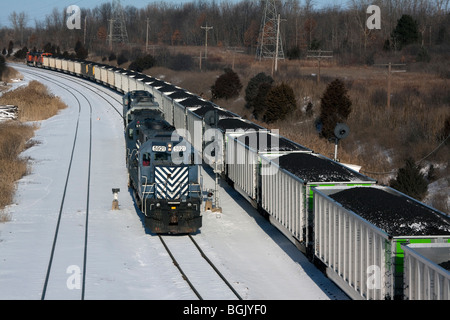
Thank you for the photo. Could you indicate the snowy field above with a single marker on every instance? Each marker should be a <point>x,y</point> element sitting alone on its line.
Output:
<point>123,260</point>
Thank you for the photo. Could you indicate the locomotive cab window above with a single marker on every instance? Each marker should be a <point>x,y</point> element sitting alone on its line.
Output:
<point>146,159</point>
<point>161,156</point>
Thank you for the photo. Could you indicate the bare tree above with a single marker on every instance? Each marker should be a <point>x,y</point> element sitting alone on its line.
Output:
<point>19,22</point>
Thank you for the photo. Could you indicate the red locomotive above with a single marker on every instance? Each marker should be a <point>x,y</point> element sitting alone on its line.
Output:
<point>36,58</point>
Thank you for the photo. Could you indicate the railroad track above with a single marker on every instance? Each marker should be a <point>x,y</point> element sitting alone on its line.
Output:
<point>203,277</point>
<point>73,210</point>
<point>83,82</point>
<point>205,280</point>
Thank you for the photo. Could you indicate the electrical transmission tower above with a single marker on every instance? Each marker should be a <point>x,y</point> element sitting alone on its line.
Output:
<point>269,40</point>
<point>117,29</point>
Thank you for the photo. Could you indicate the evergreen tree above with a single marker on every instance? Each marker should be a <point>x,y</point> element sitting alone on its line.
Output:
<point>259,102</point>
<point>21,54</point>
<point>140,64</point>
<point>293,53</point>
<point>80,51</point>
<point>406,32</point>
<point>227,85</point>
<point>280,102</point>
<point>252,89</point>
<point>335,107</point>
<point>10,48</point>
<point>410,181</point>
<point>2,66</point>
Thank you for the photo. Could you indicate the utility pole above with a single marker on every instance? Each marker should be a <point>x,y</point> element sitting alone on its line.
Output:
<point>84,39</point>
<point>146,38</point>
<point>234,50</point>
<point>277,45</point>
<point>389,75</point>
<point>206,39</point>
<point>318,54</point>
<point>270,45</point>
<point>111,21</point>
<point>117,27</point>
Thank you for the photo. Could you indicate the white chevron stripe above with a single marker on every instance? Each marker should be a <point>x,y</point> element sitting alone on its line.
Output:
<point>171,182</point>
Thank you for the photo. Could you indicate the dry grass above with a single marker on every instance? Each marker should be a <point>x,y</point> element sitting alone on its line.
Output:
<point>10,73</point>
<point>13,140</point>
<point>380,138</point>
<point>35,103</point>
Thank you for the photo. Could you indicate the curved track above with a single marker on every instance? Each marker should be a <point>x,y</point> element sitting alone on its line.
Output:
<point>68,236</point>
<point>204,279</point>
<point>123,261</point>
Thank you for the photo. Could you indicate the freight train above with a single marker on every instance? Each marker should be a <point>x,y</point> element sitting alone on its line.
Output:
<point>164,179</point>
<point>363,235</point>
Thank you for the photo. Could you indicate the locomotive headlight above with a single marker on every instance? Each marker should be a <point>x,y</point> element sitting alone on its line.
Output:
<point>189,204</point>
<point>158,204</point>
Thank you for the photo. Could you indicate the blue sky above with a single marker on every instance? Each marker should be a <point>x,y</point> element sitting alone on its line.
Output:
<point>39,9</point>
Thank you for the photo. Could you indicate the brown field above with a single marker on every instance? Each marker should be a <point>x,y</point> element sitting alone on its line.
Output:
<point>381,138</point>
<point>35,103</point>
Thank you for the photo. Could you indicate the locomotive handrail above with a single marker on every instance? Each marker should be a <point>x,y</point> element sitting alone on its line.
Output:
<point>198,187</point>
<point>147,185</point>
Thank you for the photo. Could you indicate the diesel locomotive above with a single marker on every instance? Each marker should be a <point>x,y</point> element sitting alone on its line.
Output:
<point>162,174</point>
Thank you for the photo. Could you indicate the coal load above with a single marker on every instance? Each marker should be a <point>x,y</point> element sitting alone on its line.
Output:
<point>265,142</point>
<point>236,124</point>
<point>397,215</point>
<point>180,94</point>
<point>194,101</point>
<point>201,111</point>
<point>445,265</point>
<point>311,168</point>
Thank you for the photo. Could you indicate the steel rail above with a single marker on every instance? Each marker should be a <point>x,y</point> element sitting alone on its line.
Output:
<point>55,239</point>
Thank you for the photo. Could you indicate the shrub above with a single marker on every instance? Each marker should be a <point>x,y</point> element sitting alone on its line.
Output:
<point>335,107</point>
<point>252,89</point>
<point>22,53</point>
<point>410,181</point>
<point>181,62</point>
<point>280,101</point>
<point>122,58</point>
<point>112,57</point>
<point>227,86</point>
<point>259,102</point>
<point>423,55</point>
<point>140,64</point>
<point>293,53</point>
<point>2,66</point>
<point>406,32</point>
<point>81,51</point>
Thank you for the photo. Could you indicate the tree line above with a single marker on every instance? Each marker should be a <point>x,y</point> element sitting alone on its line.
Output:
<point>237,24</point>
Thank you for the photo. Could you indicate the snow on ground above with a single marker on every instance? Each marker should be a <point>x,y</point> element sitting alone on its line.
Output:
<point>124,261</point>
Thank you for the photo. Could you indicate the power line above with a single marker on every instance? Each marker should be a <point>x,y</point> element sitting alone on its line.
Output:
<point>389,75</point>
<point>318,54</point>
<point>270,44</point>
<point>117,27</point>
<point>206,39</point>
<point>417,162</point>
